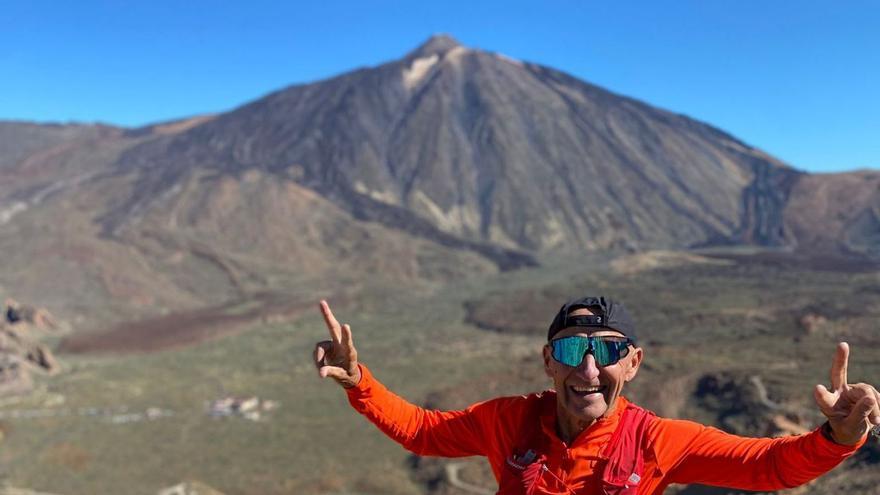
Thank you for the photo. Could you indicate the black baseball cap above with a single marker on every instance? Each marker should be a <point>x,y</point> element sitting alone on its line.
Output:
<point>608,313</point>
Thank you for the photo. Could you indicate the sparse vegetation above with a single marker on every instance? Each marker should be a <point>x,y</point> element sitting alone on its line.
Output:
<point>733,318</point>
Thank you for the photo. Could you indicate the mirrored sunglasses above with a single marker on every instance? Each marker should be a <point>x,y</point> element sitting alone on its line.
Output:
<point>571,351</point>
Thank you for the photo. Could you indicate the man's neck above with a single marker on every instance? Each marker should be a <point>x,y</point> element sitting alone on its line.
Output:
<point>567,427</point>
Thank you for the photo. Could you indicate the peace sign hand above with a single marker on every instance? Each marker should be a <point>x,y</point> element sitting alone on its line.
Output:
<point>337,357</point>
<point>851,409</point>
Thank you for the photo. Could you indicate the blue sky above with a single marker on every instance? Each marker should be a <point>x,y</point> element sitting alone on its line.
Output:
<point>797,79</point>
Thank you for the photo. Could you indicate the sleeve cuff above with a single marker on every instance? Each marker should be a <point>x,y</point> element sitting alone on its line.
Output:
<point>828,446</point>
<point>364,386</point>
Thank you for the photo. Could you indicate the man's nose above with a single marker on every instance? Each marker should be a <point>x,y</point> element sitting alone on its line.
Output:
<point>588,367</point>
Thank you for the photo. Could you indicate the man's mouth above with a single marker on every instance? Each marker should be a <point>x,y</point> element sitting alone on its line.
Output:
<point>583,391</point>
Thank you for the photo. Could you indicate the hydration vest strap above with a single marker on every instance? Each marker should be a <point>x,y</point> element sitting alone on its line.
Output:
<point>626,452</point>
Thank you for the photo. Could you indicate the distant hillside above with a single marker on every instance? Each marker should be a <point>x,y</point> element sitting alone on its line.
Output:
<point>448,162</point>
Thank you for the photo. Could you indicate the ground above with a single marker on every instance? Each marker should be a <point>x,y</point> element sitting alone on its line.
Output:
<point>137,422</point>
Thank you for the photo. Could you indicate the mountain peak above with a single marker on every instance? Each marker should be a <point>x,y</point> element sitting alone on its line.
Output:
<point>438,44</point>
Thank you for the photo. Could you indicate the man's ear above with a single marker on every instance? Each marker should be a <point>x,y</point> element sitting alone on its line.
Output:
<point>635,360</point>
<point>547,357</point>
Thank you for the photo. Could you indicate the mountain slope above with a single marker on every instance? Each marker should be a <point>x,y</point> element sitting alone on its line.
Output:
<point>489,150</point>
<point>448,162</point>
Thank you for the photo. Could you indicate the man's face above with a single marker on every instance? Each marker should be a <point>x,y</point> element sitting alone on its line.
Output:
<point>585,393</point>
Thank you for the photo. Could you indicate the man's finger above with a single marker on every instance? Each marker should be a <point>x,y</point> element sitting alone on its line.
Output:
<point>838,368</point>
<point>863,409</point>
<point>346,337</point>
<point>321,350</point>
<point>319,355</point>
<point>350,351</point>
<point>330,320</point>
<point>875,417</point>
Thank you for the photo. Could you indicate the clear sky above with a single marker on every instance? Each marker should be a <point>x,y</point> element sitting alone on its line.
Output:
<point>799,79</point>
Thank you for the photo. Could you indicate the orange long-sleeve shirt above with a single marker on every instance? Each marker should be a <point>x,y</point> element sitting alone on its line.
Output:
<point>679,451</point>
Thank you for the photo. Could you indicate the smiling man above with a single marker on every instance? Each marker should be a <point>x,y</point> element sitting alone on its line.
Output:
<point>584,438</point>
<point>590,354</point>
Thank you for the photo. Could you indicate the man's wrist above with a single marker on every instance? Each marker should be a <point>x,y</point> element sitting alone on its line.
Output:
<point>828,433</point>
<point>356,378</point>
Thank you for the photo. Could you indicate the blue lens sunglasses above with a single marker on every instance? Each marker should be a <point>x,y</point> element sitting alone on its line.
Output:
<point>571,351</point>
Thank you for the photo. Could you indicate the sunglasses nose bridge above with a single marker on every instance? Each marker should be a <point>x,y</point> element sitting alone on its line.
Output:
<point>589,365</point>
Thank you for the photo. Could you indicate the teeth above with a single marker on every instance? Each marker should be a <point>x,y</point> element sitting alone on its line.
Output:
<point>587,390</point>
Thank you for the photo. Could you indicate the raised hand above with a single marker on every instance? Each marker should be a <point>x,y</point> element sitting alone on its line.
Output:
<point>337,357</point>
<point>851,409</point>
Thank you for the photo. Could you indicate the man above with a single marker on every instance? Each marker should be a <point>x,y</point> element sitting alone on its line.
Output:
<point>583,437</point>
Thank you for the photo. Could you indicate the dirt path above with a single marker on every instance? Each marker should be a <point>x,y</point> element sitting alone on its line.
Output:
<point>452,470</point>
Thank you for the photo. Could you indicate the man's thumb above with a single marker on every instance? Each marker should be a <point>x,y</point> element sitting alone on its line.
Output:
<point>824,398</point>
<point>333,372</point>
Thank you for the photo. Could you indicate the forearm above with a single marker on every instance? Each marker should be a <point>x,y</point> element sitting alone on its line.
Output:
<point>717,458</point>
<point>422,431</point>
